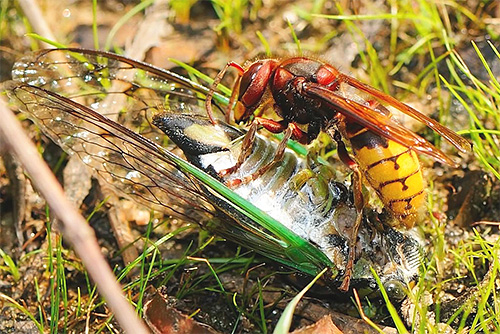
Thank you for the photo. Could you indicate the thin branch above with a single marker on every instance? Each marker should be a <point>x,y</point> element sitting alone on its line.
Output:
<point>75,228</point>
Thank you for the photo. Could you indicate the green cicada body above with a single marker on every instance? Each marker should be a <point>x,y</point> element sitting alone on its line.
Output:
<point>317,208</point>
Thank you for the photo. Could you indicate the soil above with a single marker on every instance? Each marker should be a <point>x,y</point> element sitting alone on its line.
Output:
<point>465,205</point>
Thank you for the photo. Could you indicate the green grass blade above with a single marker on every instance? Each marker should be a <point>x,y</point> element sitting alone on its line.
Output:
<point>10,265</point>
<point>283,325</point>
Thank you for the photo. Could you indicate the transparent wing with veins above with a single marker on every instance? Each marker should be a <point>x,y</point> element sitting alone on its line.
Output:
<point>66,91</point>
<point>127,91</point>
<point>130,163</point>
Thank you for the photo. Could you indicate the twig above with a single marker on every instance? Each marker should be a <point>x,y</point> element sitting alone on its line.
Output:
<point>37,21</point>
<point>75,228</point>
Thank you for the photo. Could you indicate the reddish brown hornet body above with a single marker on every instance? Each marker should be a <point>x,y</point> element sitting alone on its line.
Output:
<point>308,92</point>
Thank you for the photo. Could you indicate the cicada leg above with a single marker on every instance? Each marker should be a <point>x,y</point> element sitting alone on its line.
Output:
<point>357,188</point>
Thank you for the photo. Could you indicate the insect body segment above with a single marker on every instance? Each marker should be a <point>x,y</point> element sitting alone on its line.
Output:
<point>393,170</point>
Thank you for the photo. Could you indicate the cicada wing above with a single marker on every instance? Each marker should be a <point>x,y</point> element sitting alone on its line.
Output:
<point>133,165</point>
<point>75,84</point>
<point>126,91</point>
<point>72,71</point>
<point>142,170</point>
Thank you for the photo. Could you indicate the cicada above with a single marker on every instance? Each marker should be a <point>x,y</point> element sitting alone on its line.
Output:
<point>121,116</point>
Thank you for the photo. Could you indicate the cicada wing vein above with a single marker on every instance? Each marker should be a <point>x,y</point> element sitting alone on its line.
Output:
<point>99,75</point>
<point>130,163</point>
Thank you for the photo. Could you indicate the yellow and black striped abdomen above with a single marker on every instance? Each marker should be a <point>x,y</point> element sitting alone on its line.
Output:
<point>393,171</point>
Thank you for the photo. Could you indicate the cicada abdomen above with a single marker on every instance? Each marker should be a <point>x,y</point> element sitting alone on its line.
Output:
<point>302,196</point>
